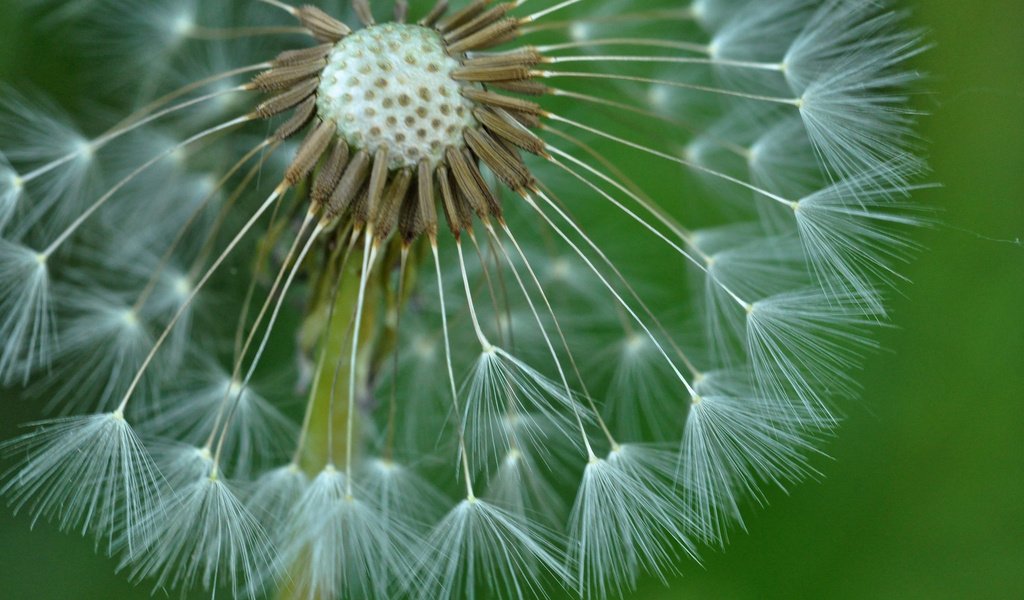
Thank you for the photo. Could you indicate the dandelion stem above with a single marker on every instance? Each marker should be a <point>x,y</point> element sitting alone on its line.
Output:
<point>325,344</point>
<point>340,360</point>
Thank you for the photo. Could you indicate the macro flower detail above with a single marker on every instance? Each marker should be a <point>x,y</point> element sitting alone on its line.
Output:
<point>355,306</point>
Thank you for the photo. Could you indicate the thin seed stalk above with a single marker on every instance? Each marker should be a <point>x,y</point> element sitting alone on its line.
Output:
<point>394,304</point>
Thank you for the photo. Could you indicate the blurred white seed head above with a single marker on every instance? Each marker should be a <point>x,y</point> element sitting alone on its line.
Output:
<point>26,326</point>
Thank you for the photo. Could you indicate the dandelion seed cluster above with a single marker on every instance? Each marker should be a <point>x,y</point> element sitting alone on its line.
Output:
<point>353,305</point>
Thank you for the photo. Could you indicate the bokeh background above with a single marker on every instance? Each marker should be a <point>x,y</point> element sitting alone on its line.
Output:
<point>923,496</point>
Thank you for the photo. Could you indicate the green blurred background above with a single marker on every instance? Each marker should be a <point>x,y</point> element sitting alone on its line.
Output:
<point>924,497</point>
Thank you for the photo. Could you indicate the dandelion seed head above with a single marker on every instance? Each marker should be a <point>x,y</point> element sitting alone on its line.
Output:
<point>635,344</point>
<point>391,85</point>
<point>83,148</point>
<point>14,180</point>
<point>182,25</point>
<point>130,318</point>
<point>27,324</point>
<point>12,187</point>
<point>580,31</point>
<point>182,286</point>
<point>325,261</point>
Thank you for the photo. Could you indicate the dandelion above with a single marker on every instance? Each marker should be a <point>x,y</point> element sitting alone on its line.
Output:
<point>372,289</point>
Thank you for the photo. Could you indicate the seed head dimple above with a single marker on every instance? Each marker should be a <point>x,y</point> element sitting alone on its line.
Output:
<point>391,85</point>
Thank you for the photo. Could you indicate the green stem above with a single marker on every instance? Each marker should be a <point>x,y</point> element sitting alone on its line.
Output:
<point>331,335</point>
